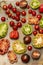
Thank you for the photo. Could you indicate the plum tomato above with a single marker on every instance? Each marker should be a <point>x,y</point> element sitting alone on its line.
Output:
<point>3,18</point>
<point>39,16</point>
<point>14,34</point>
<point>12,23</point>
<point>23,20</point>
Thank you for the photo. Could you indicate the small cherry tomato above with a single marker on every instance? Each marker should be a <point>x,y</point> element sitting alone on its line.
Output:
<point>14,10</point>
<point>13,17</point>
<point>29,48</point>
<point>3,18</point>
<point>23,13</point>
<point>36,27</point>
<point>28,6</point>
<point>18,13</point>
<point>41,31</point>
<point>17,3</point>
<point>39,16</point>
<point>33,13</point>
<point>17,18</point>
<point>19,24</point>
<point>10,6</point>
<point>7,11</point>
<point>9,15</point>
<point>30,11</point>
<point>5,7</point>
<point>15,27</point>
<point>14,35</point>
<point>11,23</point>
<point>23,20</point>
<point>34,32</point>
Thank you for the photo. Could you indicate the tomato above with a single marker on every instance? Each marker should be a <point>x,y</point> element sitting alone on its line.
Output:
<point>36,27</point>
<point>5,7</point>
<point>30,11</point>
<point>34,32</point>
<point>23,13</point>
<point>10,15</point>
<point>17,18</point>
<point>13,17</point>
<point>41,31</point>
<point>17,3</point>
<point>10,6</point>
<point>14,35</point>
<point>39,16</point>
<point>23,20</point>
<point>3,18</point>
<point>11,23</point>
<point>19,24</point>
<point>33,13</point>
<point>14,10</point>
<point>15,27</point>
<point>7,11</point>
<point>28,6</point>
<point>18,13</point>
<point>29,48</point>
<point>41,8</point>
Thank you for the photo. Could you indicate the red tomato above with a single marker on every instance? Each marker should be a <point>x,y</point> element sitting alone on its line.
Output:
<point>15,27</point>
<point>12,23</point>
<point>9,15</point>
<point>23,13</point>
<point>34,32</point>
<point>10,6</point>
<point>14,10</point>
<point>28,6</point>
<point>36,27</point>
<point>17,3</point>
<point>3,18</point>
<point>39,16</point>
<point>23,20</point>
<point>5,7</point>
<point>14,35</point>
<point>41,31</point>
<point>13,17</point>
<point>19,24</point>
<point>29,48</point>
<point>7,11</point>
<point>41,8</point>
<point>17,18</point>
<point>33,13</point>
<point>30,11</point>
<point>18,13</point>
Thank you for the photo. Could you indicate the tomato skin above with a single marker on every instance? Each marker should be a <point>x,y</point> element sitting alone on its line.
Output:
<point>3,18</point>
<point>39,16</point>
<point>41,8</point>
<point>14,35</point>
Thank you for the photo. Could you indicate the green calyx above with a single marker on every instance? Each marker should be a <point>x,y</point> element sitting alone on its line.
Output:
<point>27,29</point>
<point>41,23</point>
<point>19,47</point>
<point>3,30</point>
<point>34,4</point>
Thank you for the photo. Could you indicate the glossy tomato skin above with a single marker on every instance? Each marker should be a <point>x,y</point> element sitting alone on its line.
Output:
<point>11,23</point>
<point>15,27</point>
<point>41,31</point>
<point>10,6</point>
<point>36,27</point>
<point>41,8</point>
<point>33,13</point>
<point>34,33</point>
<point>30,11</point>
<point>29,48</point>
<point>39,16</point>
<point>25,58</point>
<point>14,10</point>
<point>14,34</point>
<point>3,18</point>
<point>23,20</point>
<point>17,3</point>
<point>5,7</point>
<point>19,24</point>
<point>23,13</point>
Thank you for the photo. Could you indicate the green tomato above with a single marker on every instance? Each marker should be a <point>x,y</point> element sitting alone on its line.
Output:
<point>3,30</point>
<point>34,4</point>
<point>19,47</point>
<point>27,29</point>
<point>41,23</point>
<point>38,41</point>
